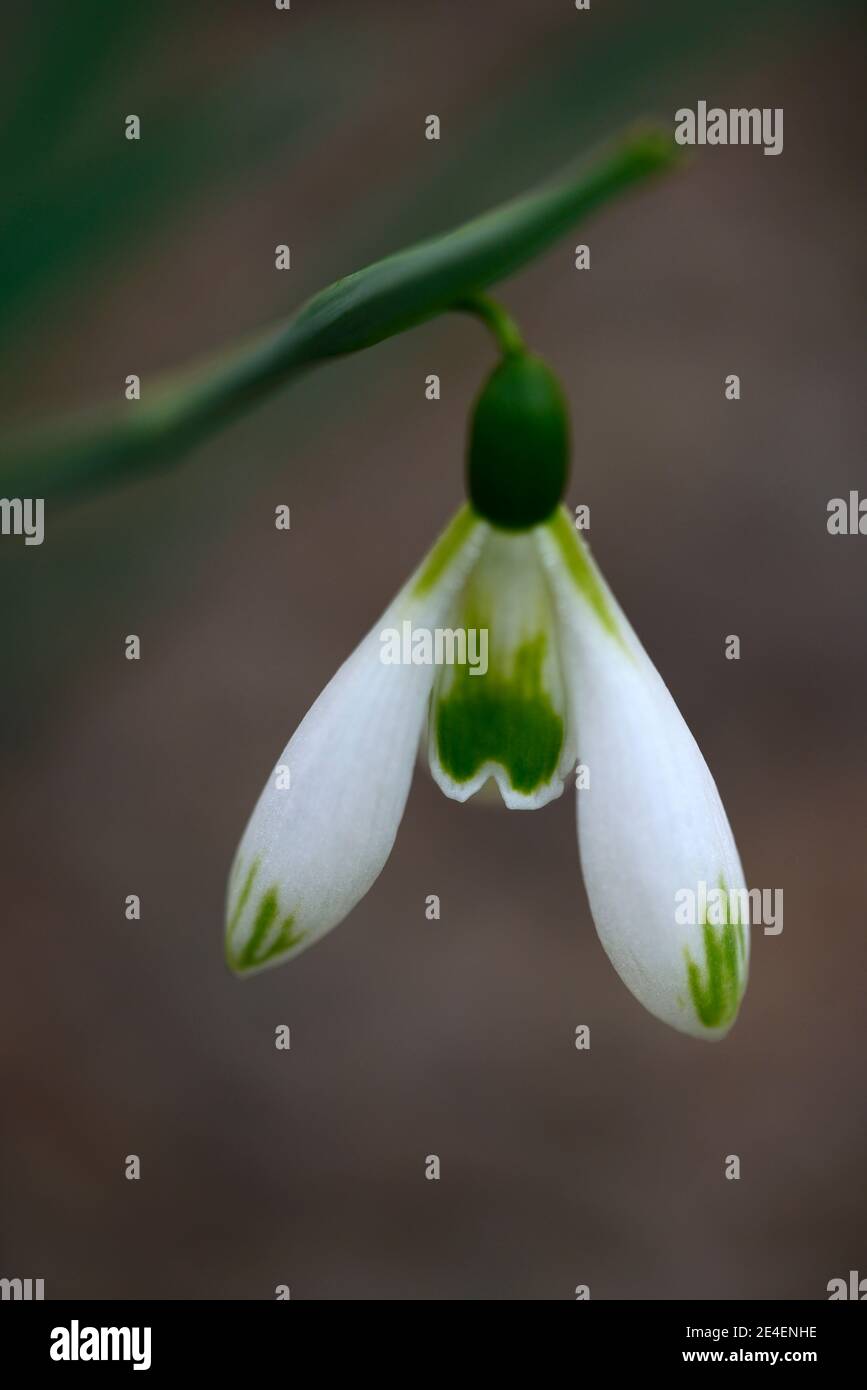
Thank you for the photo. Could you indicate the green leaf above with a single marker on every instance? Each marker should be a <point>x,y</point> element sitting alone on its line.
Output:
<point>127,439</point>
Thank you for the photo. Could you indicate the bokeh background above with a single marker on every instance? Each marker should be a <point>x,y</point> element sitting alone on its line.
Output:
<point>410,1037</point>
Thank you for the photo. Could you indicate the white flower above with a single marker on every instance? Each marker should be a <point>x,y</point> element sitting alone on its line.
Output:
<point>566,676</point>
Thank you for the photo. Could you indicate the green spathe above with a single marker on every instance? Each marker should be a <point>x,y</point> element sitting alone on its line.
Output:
<point>518,459</point>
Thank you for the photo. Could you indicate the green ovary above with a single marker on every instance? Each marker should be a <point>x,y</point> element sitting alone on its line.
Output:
<point>503,719</point>
<point>717,992</point>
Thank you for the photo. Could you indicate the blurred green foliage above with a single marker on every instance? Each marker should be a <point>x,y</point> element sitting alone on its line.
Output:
<point>79,196</point>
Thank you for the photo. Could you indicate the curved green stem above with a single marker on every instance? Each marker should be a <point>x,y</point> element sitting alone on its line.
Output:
<point>127,439</point>
<point>502,325</point>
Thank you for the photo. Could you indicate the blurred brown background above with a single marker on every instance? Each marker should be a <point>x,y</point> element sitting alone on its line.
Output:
<point>410,1037</point>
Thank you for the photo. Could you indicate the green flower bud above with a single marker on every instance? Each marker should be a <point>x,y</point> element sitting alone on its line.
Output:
<point>518,457</point>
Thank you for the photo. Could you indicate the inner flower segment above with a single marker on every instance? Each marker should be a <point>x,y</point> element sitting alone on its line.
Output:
<point>509,721</point>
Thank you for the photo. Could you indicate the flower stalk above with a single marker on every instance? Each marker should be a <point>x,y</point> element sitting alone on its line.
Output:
<point>71,458</point>
<point>505,330</point>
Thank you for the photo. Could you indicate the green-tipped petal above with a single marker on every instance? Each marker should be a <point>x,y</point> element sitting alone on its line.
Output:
<point>507,722</point>
<point>656,847</point>
<point>326,820</point>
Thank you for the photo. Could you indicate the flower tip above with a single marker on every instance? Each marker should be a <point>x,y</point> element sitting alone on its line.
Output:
<point>694,1027</point>
<point>259,932</point>
<point>235,960</point>
<point>259,952</point>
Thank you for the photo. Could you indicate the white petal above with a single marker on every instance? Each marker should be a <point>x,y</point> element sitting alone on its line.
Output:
<point>505,718</point>
<point>312,850</point>
<point>651,826</point>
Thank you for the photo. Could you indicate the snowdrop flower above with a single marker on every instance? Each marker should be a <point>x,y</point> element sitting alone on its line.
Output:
<point>565,677</point>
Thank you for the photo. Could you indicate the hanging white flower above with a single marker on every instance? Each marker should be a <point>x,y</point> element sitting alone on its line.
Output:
<point>564,676</point>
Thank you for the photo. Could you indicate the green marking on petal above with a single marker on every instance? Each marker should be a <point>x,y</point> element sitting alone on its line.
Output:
<point>445,550</point>
<point>501,718</point>
<point>244,895</point>
<point>717,993</point>
<point>574,554</point>
<point>264,943</point>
